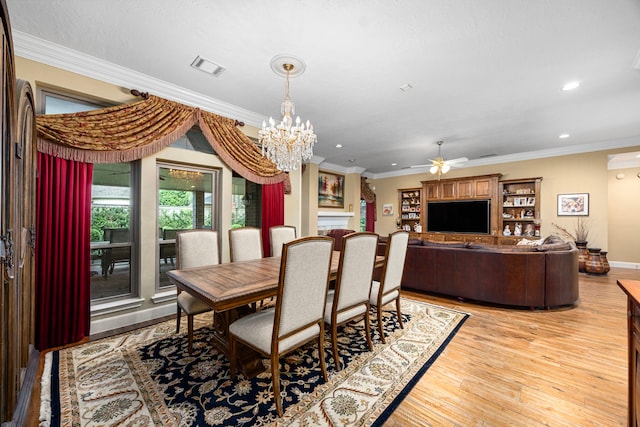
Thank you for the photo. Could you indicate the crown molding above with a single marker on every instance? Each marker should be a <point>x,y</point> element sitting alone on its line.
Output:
<point>55,55</point>
<point>529,155</point>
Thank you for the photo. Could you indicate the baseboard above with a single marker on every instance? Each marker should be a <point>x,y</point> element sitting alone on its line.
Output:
<point>126,320</point>
<point>628,265</point>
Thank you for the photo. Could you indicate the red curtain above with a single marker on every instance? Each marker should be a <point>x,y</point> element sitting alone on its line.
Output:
<point>371,217</point>
<point>272,211</point>
<point>63,285</point>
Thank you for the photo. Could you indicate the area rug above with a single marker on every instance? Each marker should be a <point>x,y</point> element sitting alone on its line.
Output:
<point>148,378</point>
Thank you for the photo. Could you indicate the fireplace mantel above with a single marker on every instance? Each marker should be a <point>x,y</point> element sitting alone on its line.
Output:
<point>328,220</point>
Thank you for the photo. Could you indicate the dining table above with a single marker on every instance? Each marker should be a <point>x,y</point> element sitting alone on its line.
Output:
<point>233,290</point>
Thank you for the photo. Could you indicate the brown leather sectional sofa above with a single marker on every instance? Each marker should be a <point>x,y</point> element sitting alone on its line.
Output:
<point>542,276</point>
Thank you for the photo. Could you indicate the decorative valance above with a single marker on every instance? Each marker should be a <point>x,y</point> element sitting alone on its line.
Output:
<point>366,192</point>
<point>128,132</point>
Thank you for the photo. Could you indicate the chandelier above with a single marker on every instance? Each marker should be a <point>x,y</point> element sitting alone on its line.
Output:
<point>287,144</point>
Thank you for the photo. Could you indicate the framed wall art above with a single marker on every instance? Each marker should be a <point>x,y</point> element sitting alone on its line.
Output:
<point>387,209</point>
<point>573,204</point>
<point>330,190</point>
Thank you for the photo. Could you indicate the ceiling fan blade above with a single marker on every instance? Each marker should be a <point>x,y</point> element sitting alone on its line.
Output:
<point>458,160</point>
<point>426,165</point>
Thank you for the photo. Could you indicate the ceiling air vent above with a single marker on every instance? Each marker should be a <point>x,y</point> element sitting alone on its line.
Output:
<point>207,66</point>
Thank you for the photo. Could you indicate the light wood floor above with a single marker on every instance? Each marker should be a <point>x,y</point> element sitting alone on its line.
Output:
<point>530,368</point>
<point>510,367</point>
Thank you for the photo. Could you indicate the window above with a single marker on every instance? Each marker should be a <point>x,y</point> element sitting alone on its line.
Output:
<point>363,215</point>
<point>187,199</point>
<point>113,254</point>
<point>246,203</point>
<point>112,234</point>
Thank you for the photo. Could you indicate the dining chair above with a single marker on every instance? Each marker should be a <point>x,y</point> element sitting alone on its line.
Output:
<point>245,243</point>
<point>388,288</point>
<point>349,299</point>
<point>194,248</point>
<point>297,317</point>
<point>117,254</point>
<point>279,235</point>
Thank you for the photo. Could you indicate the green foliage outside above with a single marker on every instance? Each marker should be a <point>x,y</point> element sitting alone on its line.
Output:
<point>107,217</point>
<point>175,198</point>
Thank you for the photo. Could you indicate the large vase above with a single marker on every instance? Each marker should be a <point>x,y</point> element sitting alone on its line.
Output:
<point>594,265</point>
<point>605,261</point>
<point>583,253</point>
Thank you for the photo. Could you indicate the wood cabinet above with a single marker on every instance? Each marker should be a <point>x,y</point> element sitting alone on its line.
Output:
<point>481,187</point>
<point>18,159</point>
<point>520,207</point>
<point>410,204</point>
<point>632,289</point>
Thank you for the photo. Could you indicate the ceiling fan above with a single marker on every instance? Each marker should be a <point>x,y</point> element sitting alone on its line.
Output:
<point>439,165</point>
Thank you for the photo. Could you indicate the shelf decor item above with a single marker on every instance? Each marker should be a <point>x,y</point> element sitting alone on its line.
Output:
<point>573,204</point>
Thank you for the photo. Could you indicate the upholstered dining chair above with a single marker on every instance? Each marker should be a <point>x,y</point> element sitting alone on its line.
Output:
<point>297,317</point>
<point>194,248</point>
<point>349,299</point>
<point>245,243</point>
<point>388,288</point>
<point>279,235</point>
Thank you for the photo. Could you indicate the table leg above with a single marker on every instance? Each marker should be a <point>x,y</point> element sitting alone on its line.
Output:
<point>250,361</point>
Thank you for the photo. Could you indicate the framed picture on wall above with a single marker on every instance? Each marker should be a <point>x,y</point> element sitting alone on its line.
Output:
<point>387,209</point>
<point>573,204</point>
<point>330,190</point>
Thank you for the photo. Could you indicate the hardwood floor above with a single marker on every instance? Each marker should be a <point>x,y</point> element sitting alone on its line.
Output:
<point>510,367</point>
<point>530,368</point>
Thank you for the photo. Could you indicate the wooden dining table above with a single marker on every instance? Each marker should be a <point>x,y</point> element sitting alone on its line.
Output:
<point>230,289</point>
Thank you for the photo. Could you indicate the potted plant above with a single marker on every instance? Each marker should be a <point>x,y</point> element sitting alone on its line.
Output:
<point>580,238</point>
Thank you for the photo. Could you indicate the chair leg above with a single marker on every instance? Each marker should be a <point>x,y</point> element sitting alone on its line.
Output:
<point>190,331</point>
<point>334,345</point>
<point>275,378</point>
<point>367,328</point>
<point>398,311</point>
<point>323,363</point>
<point>178,317</point>
<point>232,352</point>
<point>380,328</point>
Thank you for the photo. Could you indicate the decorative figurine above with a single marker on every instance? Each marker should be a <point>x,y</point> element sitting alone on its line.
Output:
<point>518,229</point>
<point>528,231</point>
<point>506,231</point>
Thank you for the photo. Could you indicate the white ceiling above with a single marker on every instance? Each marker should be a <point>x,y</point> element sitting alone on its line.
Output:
<point>486,74</point>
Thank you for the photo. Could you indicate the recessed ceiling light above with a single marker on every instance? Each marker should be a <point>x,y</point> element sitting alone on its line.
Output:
<point>571,85</point>
<point>207,66</point>
<point>405,87</point>
<point>394,164</point>
<point>338,145</point>
<point>352,160</point>
<point>564,135</point>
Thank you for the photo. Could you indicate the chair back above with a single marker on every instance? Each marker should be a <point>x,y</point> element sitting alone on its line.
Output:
<point>245,244</point>
<point>355,271</point>
<point>197,248</point>
<point>278,236</point>
<point>303,284</point>
<point>118,235</point>
<point>394,261</point>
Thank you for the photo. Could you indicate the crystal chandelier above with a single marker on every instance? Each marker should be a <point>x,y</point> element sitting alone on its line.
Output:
<point>287,144</point>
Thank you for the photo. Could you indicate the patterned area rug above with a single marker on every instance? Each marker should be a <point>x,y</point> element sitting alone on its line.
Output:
<point>148,378</point>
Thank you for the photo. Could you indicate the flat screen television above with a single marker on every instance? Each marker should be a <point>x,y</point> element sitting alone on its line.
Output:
<point>460,216</point>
